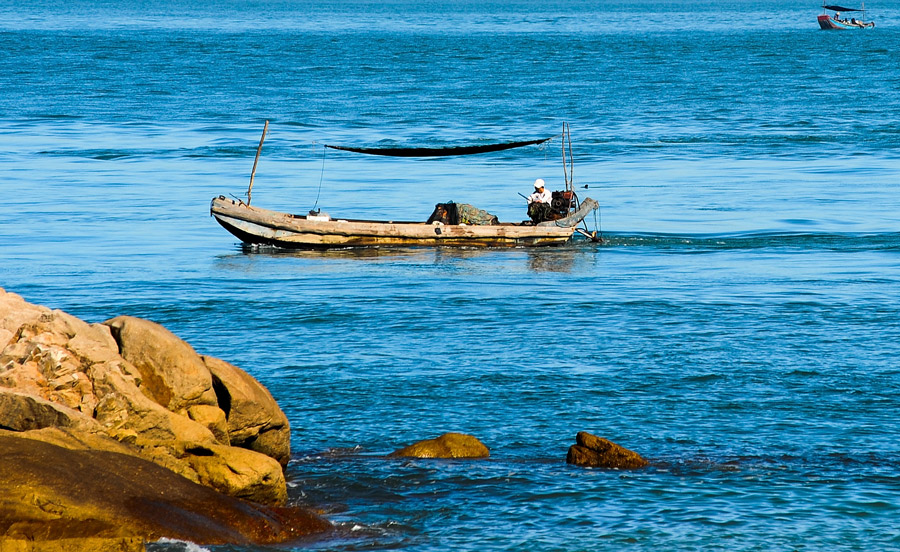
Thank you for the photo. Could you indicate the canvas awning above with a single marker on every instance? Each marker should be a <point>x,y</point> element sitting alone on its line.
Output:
<point>440,152</point>
<point>840,9</point>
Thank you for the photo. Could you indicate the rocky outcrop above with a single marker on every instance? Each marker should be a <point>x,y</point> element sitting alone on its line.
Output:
<point>72,496</point>
<point>172,374</point>
<point>130,387</point>
<point>448,445</point>
<point>254,420</point>
<point>596,452</point>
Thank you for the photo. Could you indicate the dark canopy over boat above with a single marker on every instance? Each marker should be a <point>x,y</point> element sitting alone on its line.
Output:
<point>841,9</point>
<point>440,152</point>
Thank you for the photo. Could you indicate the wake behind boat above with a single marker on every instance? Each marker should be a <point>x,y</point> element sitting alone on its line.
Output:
<point>836,22</point>
<point>451,224</point>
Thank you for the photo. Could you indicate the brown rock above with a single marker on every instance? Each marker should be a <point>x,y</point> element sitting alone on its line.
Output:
<point>24,412</point>
<point>73,439</point>
<point>57,371</point>
<point>53,495</point>
<point>597,452</point>
<point>172,373</point>
<point>15,312</point>
<point>212,418</point>
<point>448,445</point>
<point>73,545</point>
<point>255,420</point>
<point>239,472</point>
<point>123,407</point>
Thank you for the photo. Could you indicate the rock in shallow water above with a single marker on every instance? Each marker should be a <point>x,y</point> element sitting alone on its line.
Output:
<point>448,445</point>
<point>596,452</point>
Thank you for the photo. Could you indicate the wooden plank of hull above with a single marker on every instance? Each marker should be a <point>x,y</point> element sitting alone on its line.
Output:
<point>262,226</point>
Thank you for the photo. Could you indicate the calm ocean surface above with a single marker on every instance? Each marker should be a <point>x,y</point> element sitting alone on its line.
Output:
<point>741,328</point>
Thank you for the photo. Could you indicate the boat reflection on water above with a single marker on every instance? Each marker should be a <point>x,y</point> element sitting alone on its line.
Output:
<point>365,253</point>
<point>549,259</point>
<point>556,260</point>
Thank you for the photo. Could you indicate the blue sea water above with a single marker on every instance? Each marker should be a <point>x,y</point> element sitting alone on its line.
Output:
<point>739,328</point>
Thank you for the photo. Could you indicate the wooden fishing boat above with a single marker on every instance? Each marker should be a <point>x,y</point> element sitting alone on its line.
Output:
<point>253,225</point>
<point>834,22</point>
<point>316,230</point>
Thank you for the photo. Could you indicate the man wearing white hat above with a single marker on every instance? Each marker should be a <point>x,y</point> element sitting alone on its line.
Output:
<point>539,202</point>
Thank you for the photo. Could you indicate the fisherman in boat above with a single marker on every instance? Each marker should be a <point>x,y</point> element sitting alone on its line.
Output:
<point>539,202</point>
<point>837,16</point>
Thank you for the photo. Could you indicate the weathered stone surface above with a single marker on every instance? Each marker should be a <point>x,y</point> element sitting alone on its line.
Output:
<point>73,545</point>
<point>240,472</point>
<point>172,373</point>
<point>75,499</point>
<point>36,360</point>
<point>448,445</point>
<point>74,440</point>
<point>57,371</point>
<point>597,452</point>
<point>23,412</point>
<point>213,419</point>
<point>255,420</point>
<point>14,313</point>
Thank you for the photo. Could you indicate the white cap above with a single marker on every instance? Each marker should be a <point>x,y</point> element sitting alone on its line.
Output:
<point>539,183</point>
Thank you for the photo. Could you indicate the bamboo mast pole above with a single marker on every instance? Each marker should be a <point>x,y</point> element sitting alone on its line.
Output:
<point>255,161</point>
<point>571,160</point>
<point>563,144</point>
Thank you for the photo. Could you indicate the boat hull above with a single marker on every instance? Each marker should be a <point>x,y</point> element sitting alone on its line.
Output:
<point>827,23</point>
<point>253,225</point>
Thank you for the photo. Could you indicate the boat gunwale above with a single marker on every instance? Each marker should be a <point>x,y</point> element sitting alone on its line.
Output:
<point>282,221</point>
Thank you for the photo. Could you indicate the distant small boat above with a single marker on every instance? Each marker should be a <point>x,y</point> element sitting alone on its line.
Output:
<point>835,22</point>
<point>451,224</point>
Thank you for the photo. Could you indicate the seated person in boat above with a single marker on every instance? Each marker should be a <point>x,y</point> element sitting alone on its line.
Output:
<point>539,203</point>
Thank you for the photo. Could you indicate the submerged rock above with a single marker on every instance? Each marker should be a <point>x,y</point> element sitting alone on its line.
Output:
<point>130,387</point>
<point>597,452</point>
<point>448,445</point>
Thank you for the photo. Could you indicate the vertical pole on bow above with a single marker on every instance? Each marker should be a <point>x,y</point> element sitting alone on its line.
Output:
<point>571,179</point>
<point>563,144</point>
<point>255,161</point>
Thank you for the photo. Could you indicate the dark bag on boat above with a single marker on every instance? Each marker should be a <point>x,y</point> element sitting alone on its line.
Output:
<point>461,213</point>
<point>540,212</point>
